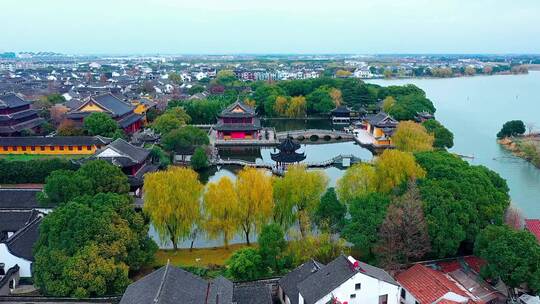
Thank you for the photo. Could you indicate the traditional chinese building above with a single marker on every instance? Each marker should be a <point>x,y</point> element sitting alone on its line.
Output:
<point>57,145</point>
<point>287,153</point>
<point>134,161</point>
<point>124,113</point>
<point>341,115</point>
<point>381,126</point>
<point>16,115</point>
<point>423,116</point>
<point>237,122</point>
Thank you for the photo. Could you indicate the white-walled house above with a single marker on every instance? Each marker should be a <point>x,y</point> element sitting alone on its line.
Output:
<point>18,248</point>
<point>344,280</point>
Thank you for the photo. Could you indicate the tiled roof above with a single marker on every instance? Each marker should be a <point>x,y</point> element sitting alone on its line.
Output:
<point>246,111</point>
<point>260,294</point>
<point>322,282</point>
<point>474,262</point>
<point>54,141</point>
<point>289,283</point>
<point>19,198</point>
<point>173,285</point>
<point>113,104</point>
<point>14,220</point>
<point>132,154</point>
<point>12,101</point>
<point>533,225</point>
<point>428,285</point>
<point>21,243</point>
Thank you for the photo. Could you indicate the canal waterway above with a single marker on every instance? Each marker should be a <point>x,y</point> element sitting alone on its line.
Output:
<point>474,109</point>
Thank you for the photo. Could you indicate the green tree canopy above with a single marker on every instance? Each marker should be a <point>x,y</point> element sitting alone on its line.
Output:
<point>367,214</point>
<point>179,140</point>
<point>444,139</point>
<point>320,101</point>
<point>410,100</point>
<point>459,200</point>
<point>330,214</point>
<point>272,246</point>
<point>62,186</point>
<point>511,128</point>
<point>199,160</point>
<point>104,177</point>
<point>100,124</point>
<point>245,265</point>
<point>172,119</point>
<point>96,176</point>
<point>512,255</point>
<point>99,235</point>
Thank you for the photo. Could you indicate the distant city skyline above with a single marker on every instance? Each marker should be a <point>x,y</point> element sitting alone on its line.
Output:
<point>271,27</point>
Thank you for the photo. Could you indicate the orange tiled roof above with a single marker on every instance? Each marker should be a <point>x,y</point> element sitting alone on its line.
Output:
<point>428,285</point>
<point>533,225</point>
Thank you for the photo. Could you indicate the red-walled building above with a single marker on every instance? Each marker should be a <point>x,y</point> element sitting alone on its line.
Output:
<point>134,161</point>
<point>238,121</point>
<point>107,103</point>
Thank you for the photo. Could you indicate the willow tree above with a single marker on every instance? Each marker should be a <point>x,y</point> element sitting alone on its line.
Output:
<point>412,137</point>
<point>221,210</point>
<point>357,181</point>
<point>297,196</point>
<point>395,167</point>
<point>297,107</point>
<point>172,201</point>
<point>254,190</point>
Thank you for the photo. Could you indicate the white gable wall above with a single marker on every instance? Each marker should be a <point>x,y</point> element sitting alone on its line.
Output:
<point>409,298</point>
<point>369,292</point>
<point>108,153</point>
<point>11,260</point>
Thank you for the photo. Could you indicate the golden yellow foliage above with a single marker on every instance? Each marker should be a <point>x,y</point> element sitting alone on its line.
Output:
<point>221,210</point>
<point>357,181</point>
<point>250,102</point>
<point>171,200</point>
<point>336,96</point>
<point>343,73</point>
<point>297,195</point>
<point>394,167</point>
<point>297,107</point>
<point>280,106</point>
<point>412,137</point>
<point>254,190</point>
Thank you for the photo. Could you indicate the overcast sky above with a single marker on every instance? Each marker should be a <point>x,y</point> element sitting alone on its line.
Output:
<point>270,26</point>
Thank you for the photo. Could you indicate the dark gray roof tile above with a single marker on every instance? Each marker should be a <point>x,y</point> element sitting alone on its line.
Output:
<point>19,198</point>
<point>21,243</point>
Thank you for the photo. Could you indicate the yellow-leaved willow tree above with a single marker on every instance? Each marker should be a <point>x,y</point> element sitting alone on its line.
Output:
<point>412,137</point>
<point>254,190</point>
<point>393,167</point>
<point>357,181</point>
<point>221,210</point>
<point>297,195</point>
<point>172,201</point>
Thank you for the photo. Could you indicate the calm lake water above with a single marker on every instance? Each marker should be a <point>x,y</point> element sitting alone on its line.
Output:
<point>474,109</point>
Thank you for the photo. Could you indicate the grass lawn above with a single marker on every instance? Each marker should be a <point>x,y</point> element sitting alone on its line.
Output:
<point>26,157</point>
<point>197,257</point>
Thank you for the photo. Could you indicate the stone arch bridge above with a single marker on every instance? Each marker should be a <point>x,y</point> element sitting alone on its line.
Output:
<point>315,135</point>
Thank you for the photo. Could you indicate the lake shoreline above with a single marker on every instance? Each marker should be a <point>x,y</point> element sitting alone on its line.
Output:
<point>523,147</point>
